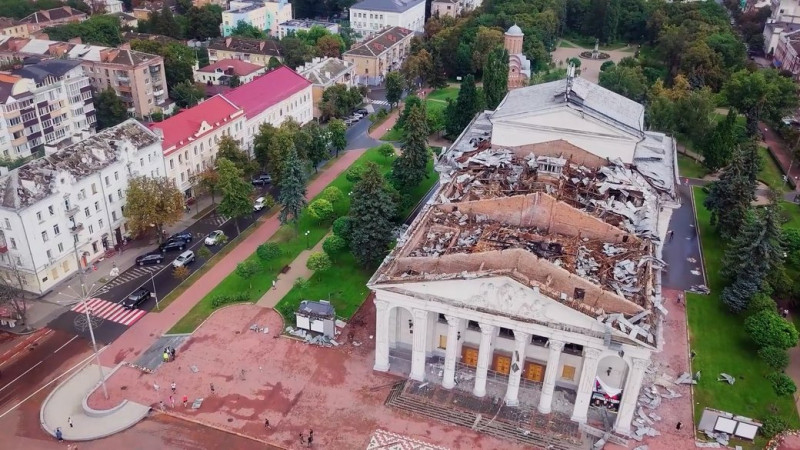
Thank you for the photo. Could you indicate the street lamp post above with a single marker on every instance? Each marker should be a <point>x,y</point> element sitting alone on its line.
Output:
<point>308,244</point>
<point>155,295</point>
<point>84,299</point>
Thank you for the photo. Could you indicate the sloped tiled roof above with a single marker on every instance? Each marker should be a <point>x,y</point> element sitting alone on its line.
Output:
<point>380,43</point>
<point>246,45</point>
<point>240,68</point>
<point>267,90</point>
<point>52,15</point>
<point>215,111</point>
<point>325,71</point>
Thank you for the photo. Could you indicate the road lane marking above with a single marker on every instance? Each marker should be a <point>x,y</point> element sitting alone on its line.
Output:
<point>49,383</point>
<point>23,374</point>
<point>59,348</point>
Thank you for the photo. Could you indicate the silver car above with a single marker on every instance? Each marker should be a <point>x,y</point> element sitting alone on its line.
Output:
<point>184,259</point>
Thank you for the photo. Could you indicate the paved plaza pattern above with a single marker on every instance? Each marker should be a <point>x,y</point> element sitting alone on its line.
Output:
<point>386,440</point>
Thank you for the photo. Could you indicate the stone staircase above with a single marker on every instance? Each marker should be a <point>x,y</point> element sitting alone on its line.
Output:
<point>400,399</point>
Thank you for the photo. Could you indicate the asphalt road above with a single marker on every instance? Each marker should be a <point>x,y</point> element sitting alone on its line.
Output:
<point>682,250</point>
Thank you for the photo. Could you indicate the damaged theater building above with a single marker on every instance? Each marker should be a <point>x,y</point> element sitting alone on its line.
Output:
<point>533,275</point>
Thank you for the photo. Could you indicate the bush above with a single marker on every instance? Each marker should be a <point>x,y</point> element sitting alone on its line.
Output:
<point>782,384</point>
<point>772,425</point>
<point>204,253</point>
<point>334,245</point>
<point>321,210</point>
<point>268,251</point>
<point>319,262</point>
<point>775,357</point>
<point>269,202</point>
<point>767,328</point>
<point>342,227</point>
<point>181,273</point>
<point>761,302</point>
<point>332,194</point>
<point>287,311</point>
<point>606,65</point>
<point>221,300</point>
<point>300,283</point>
<point>354,174</point>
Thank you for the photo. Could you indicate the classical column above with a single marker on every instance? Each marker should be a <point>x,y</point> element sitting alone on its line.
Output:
<point>551,371</point>
<point>633,384</point>
<point>484,356</point>
<point>451,353</point>
<point>521,340</point>
<point>591,356</point>
<point>382,311</point>
<point>420,337</point>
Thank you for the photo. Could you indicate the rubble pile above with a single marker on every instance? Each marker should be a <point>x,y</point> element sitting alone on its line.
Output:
<point>657,388</point>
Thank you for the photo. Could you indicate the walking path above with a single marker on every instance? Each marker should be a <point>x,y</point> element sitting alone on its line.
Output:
<point>286,281</point>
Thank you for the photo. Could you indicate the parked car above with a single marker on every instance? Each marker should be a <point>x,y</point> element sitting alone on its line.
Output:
<point>356,117</point>
<point>137,298</point>
<point>178,244</point>
<point>185,236</point>
<point>214,237</point>
<point>261,180</point>
<point>184,259</point>
<point>259,204</point>
<point>150,258</point>
<point>362,111</point>
<point>349,121</point>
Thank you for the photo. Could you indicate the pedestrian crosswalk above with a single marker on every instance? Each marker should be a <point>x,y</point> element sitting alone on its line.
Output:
<point>215,219</point>
<point>129,275</point>
<point>380,102</point>
<point>110,311</point>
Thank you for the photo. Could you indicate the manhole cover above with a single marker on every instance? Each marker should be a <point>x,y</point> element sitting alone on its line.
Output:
<point>230,419</point>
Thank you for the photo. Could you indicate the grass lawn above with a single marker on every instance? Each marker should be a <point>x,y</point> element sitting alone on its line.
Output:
<point>721,344</point>
<point>439,102</point>
<point>771,174</point>
<point>689,167</point>
<point>345,284</point>
<point>791,211</point>
<point>565,44</point>
<point>393,135</point>
<point>443,94</point>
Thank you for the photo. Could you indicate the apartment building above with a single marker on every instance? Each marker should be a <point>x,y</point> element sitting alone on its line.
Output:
<point>264,15</point>
<point>324,73</point>
<point>380,54</point>
<point>52,17</point>
<point>221,72</point>
<point>47,103</point>
<point>442,8</point>
<point>295,25</point>
<point>137,77</point>
<point>368,17</point>
<point>256,51</point>
<point>272,98</point>
<point>191,138</point>
<point>68,206</point>
<point>787,54</point>
<point>11,27</point>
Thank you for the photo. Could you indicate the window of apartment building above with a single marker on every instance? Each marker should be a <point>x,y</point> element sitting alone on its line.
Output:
<point>65,266</point>
<point>28,116</point>
<point>141,162</point>
<point>180,159</point>
<point>14,121</point>
<point>182,177</point>
<point>106,72</point>
<point>86,211</point>
<point>116,175</point>
<point>541,341</point>
<point>51,210</point>
<point>110,198</point>
<point>119,193</point>
<point>60,247</point>
<point>39,216</point>
<point>49,254</point>
<point>100,223</point>
<point>8,224</point>
<point>568,373</point>
<point>45,238</point>
<point>19,261</point>
<point>108,180</point>
<point>114,216</point>
<point>56,230</point>
<point>91,229</point>
<point>195,150</point>
<point>47,123</point>
<point>94,188</point>
<point>171,164</point>
<point>97,206</point>
<point>13,243</point>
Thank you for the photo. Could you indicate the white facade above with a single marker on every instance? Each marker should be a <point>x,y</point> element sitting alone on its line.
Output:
<point>299,107</point>
<point>73,199</point>
<point>366,21</point>
<point>784,11</point>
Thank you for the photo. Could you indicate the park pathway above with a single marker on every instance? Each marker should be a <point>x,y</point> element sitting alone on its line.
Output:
<point>285,282</point>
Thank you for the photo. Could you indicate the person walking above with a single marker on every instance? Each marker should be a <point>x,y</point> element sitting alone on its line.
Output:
<point>273,285</point>
<point>679,426</point>
<point>310,440</point>
<point>670,234</point>
<point>156,386</point>
<point>165,356</point>
<point>212,388</point>
<point>173,386</point>
<point>266,423</point>
<point>69,421</point>
<point>185,400</point>
<point>59,435</point>
<point>302,439</point>
<point>172,401</point>
<point>161,405</point>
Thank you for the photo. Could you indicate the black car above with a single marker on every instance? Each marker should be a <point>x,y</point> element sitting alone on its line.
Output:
<point>183,236</point>
<point>177,244</point>
<point>262,180</point>
<point>136,299</point>
<point>362,111</point>
<point>150,258</point>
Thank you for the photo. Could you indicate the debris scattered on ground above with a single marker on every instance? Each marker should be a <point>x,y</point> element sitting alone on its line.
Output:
<point>686,378</point>
<point>194,369</point>
<point>197,403</point>
<point>699,289</point>
<point>727,378</point>
<point>257,329</point>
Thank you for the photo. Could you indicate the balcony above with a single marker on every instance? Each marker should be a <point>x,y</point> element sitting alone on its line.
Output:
<point>155,69</point>
<point>158,93</point>
<point>124,88</point>
<point>123,79</point>
<point>77,228</point>
<point>3,247</point>
<point>72,209</point>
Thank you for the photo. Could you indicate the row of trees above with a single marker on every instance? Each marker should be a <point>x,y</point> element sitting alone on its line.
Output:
<point>17,9</point>
<point>193,23</point>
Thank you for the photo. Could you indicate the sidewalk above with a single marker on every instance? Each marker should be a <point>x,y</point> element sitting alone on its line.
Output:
<point>286,281</point>
<point>65,294</point>
<point>782,153</point>
<point>141,336</point>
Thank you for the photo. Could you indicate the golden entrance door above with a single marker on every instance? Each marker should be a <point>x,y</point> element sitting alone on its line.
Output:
<point>469,356</point>
<point>534,372</point>
<point>502,364</point>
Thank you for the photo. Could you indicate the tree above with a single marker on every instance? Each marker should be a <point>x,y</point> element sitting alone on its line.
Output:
<point>409,169</point>
<point>268,251</point>
<point>97,29</point>
<point>110,109</point>
<point>234,81</point>
<point>775,357</point>
<point>627,81</point>
<point>754,253</point>
<point>768,329</point>
<point>339,101</point>
<point>717,148</point>
<point>321,210</point>
<point>411,102</point>
<point>729,197</point>
<point>332,194</point>
<point>417,67</point>
<point>387,151</point>
<point>203,23</point>
<point>204,253</point>
<point>187,94</point>
<point>318,144</point>
<point>262,142</point>
<point>273,63</point>
<point>334,245</point>
<point>208,182</point>
<point>279,146</point>
<point>179,60</point>
<point>152,202</point>
<point>760,94</point>
<point>681,109</point>
<point>607,65</point>
<point>460,113</point>
<point>395,85</point>
<point>295,51</point>
<point>338,135</point>
<point>495,77</point>
<point>319,262</point>
<point>436,119</point>
<point>329,45</point>
<point>370,211</point>
<point>486,41</point>
<point>342,226</point>
<point>245,30</point>
<point>181,273</point>
<point>293,189</point>
<point>247,269</point>
<point>228,148</point>
<point>235,202</point>
<point>12,291</point>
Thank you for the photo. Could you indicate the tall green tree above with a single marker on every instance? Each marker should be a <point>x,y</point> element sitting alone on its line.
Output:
<point>187,94</point>
<point>495,77</point>
<point>411,102</point>
<point>371,208</point>
<point>754,253</point>
<point>395,84</point>
<point>178,60</point>
<point>460,113</point>
<point>98,30</point>
<point>338,135</point>
<point>262,143</point>
<point>245,30</point>
<point>293,189</point>
<point>318,145</point>
<point>235,191</point>
<point>152,202</point>
<point>110,109</point>
<point>729,197</point>
<point>761,94</point>
<point>627,81</point>
<point>408,170</point>
<point>717,148</point>
<point>228,148</point>
<point>203,23</point>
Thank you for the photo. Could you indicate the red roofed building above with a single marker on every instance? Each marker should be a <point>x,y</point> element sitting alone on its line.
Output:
<point>221,71</point>
<point>190,138</point>
<point>272,98</point>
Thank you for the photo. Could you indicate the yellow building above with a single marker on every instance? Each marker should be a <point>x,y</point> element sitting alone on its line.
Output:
<point>374,58</point>
<point>256,51</point>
